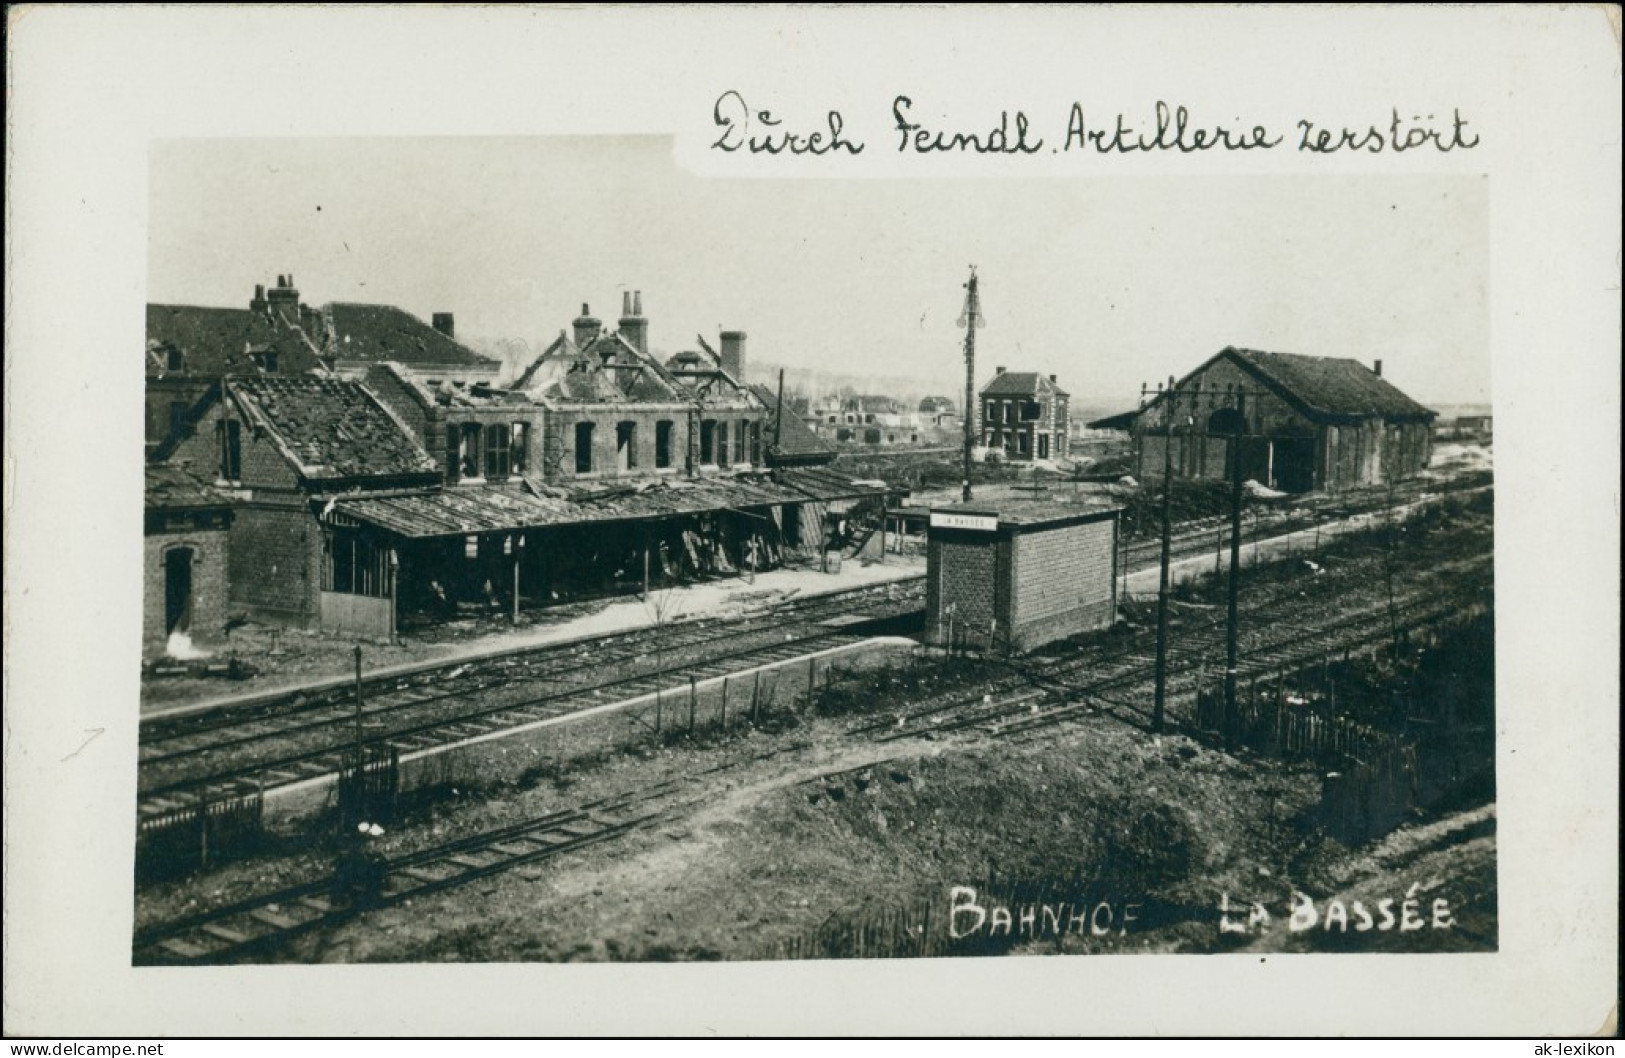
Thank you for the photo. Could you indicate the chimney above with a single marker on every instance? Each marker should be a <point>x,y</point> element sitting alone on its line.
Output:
<point>445,324</point>
<point>1376,368</point>
<point>634,328</point>
<point>1052,378</point>
<point>587,327</point>
<point>733,355</point>
<point>998,370</point>
<point>257,306</point>
<point>284,296</point>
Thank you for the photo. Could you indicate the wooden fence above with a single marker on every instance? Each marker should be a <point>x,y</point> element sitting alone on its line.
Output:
<point>1287,725</point>
<point>199,835</point>
<point>369,782</point>
<point>1372,797</point>
<point>1374,777</point>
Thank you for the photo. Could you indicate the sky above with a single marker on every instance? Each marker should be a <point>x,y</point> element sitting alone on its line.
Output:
<point>1106,282</point>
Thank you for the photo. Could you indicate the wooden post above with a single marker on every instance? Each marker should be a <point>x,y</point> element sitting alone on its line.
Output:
<point>515,616</point>
<point>659,694</point>
<point>724,703</point>
<point>692,694</point>
<point>755,696</point>
<point>393,573</point>
<point>812,677</point>
<point>202,831</point>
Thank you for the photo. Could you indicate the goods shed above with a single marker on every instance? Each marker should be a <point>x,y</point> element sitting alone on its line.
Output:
<point>1015,576</point>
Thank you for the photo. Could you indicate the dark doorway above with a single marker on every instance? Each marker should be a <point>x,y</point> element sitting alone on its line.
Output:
<point>177,590</point>
<point>1295,464</point>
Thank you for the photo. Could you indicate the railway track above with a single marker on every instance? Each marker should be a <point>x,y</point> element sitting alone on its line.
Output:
<point>269,920</point>
<point>304,741</point>
<point>1035,697</point>
<point>1212,535</point>
<point>540,662</point>
<point>271,762</point>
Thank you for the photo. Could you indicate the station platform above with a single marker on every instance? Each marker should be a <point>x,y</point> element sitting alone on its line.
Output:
<point>307,661</point>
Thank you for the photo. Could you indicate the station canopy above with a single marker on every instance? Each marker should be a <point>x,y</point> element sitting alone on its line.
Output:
<point>508,507</point>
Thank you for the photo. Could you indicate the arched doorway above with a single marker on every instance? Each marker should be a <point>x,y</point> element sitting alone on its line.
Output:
<point>177,590</point>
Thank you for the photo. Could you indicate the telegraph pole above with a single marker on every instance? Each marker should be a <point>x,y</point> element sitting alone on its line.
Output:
<point>1169,414</point>
<point>1232,632</point>
<point>778,417</point>
<point>970,319</point>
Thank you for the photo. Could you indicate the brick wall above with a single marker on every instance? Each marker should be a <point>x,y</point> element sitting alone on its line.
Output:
<point>263,463</point>
<point>276,555</point>
<point>161,393</point>
<point>962,572</point>
<point>209,561</point>
<point>272,561</point>
<point>1061,583</point>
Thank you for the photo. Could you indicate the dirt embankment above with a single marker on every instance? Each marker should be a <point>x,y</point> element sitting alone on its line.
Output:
<point>1113,839</point>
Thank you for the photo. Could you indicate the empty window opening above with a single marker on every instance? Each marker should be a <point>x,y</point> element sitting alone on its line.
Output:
<point>756,443</point>
<point>662,445</point>
<point>519,448</point>
<point>178,417</point>
<point>266,362</point>
<point>626,445</point>
<point>722,445</point>
<point>463,450</point>
<point>231,450</point>
<point>584,448</point>
<point>708,441</point>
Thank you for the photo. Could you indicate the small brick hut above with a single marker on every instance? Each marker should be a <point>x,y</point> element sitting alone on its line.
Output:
<point>187,527</point>
<point>1014,577</point>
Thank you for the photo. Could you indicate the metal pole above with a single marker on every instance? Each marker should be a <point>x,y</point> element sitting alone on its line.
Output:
<point>358,726</point>
<point>778,417</point>
<point>1231,632</point>
<point>1162,584</point>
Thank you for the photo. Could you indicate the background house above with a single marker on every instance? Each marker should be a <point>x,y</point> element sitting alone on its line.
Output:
<point>1024,415</point>
<point>191,348</point>
<point>355,336</point>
